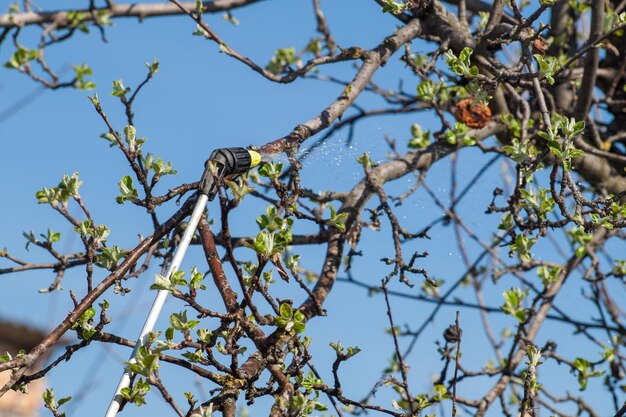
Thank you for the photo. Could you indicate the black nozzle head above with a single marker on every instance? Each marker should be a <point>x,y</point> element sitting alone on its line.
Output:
<point>227,163</point>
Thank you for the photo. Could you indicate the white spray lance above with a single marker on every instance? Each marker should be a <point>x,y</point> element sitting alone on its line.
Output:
<point>223,163</point>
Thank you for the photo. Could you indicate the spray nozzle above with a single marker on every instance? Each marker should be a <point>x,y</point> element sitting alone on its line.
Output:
<point>226,163</point>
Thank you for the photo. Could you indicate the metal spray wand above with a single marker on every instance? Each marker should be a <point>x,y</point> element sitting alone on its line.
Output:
<point>223,163</point>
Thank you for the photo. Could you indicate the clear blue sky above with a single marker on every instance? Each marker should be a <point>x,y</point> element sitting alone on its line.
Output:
<point>201,100</point>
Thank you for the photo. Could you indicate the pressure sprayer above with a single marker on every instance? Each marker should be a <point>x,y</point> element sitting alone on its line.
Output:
<point>225,163</point>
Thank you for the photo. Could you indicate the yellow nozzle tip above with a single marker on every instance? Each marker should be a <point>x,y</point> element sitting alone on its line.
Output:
<point>255,158</point>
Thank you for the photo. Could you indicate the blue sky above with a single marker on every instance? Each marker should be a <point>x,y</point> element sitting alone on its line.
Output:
<point>201,100</point>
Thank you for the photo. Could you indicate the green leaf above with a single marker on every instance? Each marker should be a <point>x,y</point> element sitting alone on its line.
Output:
<point>159,167</point>
<point>47,195</point>
<point>461,65</point>
<point>420,138</point>
<point>145,362</point>
<point>48,399</point>
<point>239,188</point>
<point>180,322</point>
<point>153,67</point>
<point>204,335</point>
<point>270,220</point>
<point>82,83</point>
<point>64,400</point>
<point>100,233</point>
<point>352,350</point>
<point>576,153</point>
<point>314,46</point>
<point>513,303</point>
<point>337,219</point>
<point>110,137</point>
<point>130,134</point>
<point>459,134</point>
<point>534,355</point>
<point>286,311</point>
<point>337,347</point>
<point>547,66</point>
<point>365,161</point>
<point>548,275</point>
<point>109,257</point>
<point>137,393</point>
<point>298,316</point>
<point>291,262</point>
<point>118,89</point>
<point>281,60</point>
<point>195,356</point>
<point>208,412</point>
<point>103,18</point>
<point>127,190</point>
<point>393,7</point>
<point>162,283</point>
<point>85,324</point>
<point>522,245</point>
<point>231,19</point>
<point>299,327</point>
<point>427,90</point>
<point>195,282</point>
<point>52,237</point>
<point>201,32</point>
<point>271,170</point>
<point>578,128</point>
<point>465,55</point>
<point>67,188</point>
<point>20,57</point>
<point>579,238</point>
<point>469,141</point>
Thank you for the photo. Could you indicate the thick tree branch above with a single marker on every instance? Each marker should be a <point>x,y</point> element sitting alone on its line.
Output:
<point>591,62</point>
<point>130,260</point>
<point>535,325</point>
<point>139,10</point>
<point>372,61</point>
